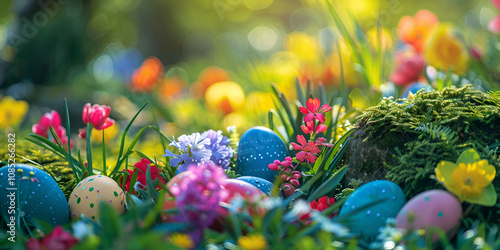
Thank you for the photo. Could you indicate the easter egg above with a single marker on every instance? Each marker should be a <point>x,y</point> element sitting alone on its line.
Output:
<point>91,192</point>
<point>263,185</point>
<point>365,221</point>
<point>34,193</point>
<point>416,87</point>
<point>433,208</point>
<point>168,202</point>
<point>258,148</point>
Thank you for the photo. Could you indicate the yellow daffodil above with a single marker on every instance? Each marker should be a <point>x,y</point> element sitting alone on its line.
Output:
<point>446,51</point>
<point>469,179</point>
<point>12,112</point>
<point>252,242</point>
<point>182,240</point>
<point>109,133</point>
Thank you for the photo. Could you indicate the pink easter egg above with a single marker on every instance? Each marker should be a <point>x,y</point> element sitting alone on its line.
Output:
<point>433,208</point>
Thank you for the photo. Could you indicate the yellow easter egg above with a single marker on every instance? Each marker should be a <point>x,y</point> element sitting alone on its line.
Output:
<point>93,191</point>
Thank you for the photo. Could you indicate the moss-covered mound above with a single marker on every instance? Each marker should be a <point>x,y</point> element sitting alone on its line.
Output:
<point>403,141</point>
<point>57,167</point>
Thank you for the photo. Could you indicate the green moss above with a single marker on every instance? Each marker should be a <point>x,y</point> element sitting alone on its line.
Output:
<point>403,141</point>
<point>57,167</point>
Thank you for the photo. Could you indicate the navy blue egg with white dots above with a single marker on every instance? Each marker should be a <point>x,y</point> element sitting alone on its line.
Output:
<point>259,147</point>
<point>36,195</point>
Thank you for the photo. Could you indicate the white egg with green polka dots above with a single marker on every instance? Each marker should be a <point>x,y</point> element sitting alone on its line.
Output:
<point>91,192</point>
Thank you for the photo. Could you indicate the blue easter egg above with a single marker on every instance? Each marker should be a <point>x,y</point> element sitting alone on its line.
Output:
<point>367,220</point>
<point>263,185</point>
<point>258,148</point>
<point>416,87</point>
<point>33,194</point>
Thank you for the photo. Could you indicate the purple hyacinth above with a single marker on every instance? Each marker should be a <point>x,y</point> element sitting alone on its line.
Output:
<point>198,196</point>
<point>211,147</point>
<point>219,145</point>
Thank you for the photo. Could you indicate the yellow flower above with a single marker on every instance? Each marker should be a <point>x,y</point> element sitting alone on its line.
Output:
<point>446,51</point>
<point>182,240</point>
<point>469,179</point>
<point>12,112</point>
<point>252,242</point>
<point>306,47</point>
<point>384,40</point>
<point>109,133</point>
<point>225,96</point>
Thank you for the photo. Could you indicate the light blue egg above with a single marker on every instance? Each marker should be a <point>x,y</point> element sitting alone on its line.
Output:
<point>35,193</point>
<point>259,147</point>
<point>367,220</point>
<point>263,185</point>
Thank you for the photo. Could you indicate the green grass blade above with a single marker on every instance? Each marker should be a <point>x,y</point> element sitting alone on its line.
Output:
<point>328,185</point>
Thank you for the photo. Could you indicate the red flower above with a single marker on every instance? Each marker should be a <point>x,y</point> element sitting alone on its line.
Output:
<point>57,240</point>
<point>309,128</point>
<point>142,167</point>
<point>97,115</point>
<point>308,150</point>
<point>314,111</point>
<point>321,205</point>
<point>409,69</point>
<point>53,120</point>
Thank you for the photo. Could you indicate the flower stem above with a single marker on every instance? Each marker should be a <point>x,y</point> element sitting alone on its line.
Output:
<point>89,151</point>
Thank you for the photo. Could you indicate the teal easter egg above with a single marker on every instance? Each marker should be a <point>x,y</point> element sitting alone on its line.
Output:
<point>257,148</point>
<point>31,193</point>
<point>263,185</point>
<point>366,220</point>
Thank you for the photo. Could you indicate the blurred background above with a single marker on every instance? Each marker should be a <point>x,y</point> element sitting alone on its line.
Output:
<point>124,53</point>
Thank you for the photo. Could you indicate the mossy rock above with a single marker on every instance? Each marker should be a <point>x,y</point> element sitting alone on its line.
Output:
<point>398,135</point>
<point>403,140</point>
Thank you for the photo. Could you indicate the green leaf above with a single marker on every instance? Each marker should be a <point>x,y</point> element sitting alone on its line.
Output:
<point>468,156</point>
<point>328,185</point>
<point>487,198</point>
<point>104,166</point>
<point>132,181</point>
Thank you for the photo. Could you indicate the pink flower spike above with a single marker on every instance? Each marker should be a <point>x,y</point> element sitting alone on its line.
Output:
<point>294,182</point>
<point>296,175</point>
<point>313,110</point>
<point>283,177</point>
<point>273,166</point>
<point>321,128</point>
<point>305,129</point>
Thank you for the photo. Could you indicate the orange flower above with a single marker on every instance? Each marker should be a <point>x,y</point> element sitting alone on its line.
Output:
<point>172,87</point>
<point>146,76</point>
<point>416,30</point>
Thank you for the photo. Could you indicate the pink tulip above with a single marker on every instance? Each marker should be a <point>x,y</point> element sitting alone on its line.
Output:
<point>97,115</point>
<point>409,69</point>
<point>51,119</point>
<point>496,3</point>
<point>494,25</point>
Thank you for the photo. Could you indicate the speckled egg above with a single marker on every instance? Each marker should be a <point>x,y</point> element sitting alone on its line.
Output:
<point>263,185</point>
<point>258,148</point>
<point>93,191</point>
<point>366,221</point>
<point>34,192</point>
<point>169,203</point>
<point>433,208</point>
